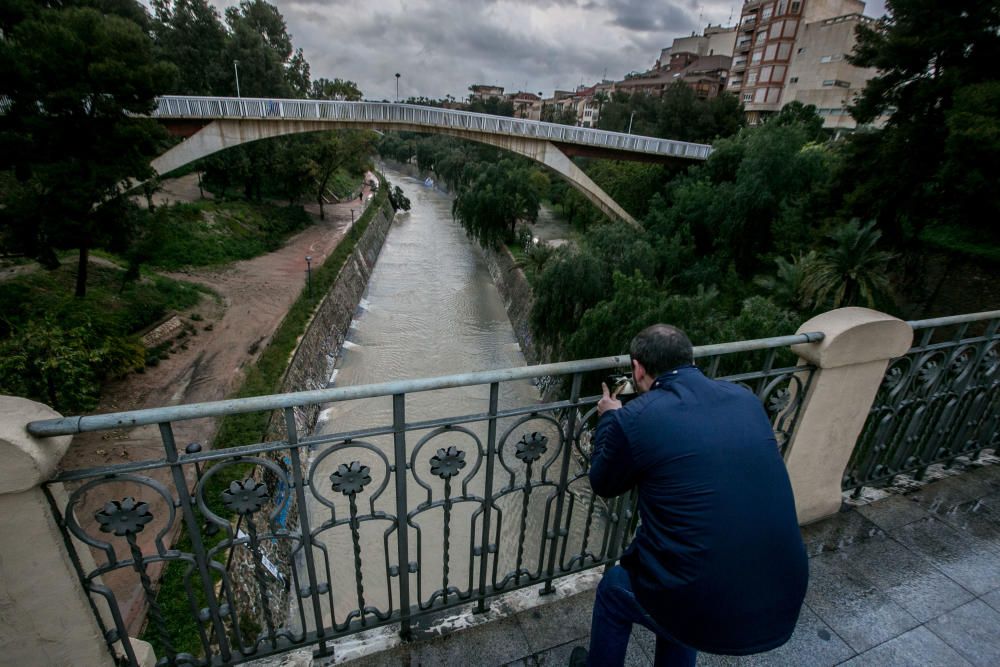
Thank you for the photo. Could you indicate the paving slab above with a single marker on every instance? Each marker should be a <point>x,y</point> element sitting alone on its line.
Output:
<point>992,599</point>
<point>973,630</point>
<point>558,656</point>
<point>919,646</point>
<point>853,607</point>
<point>954,553</point>
<point>813,644</point>
<point>837,532</point>
<point>557,623</point>
<point>976,520</point>
<point>909,580</point>
<point>943,495</point>
<point>893,512</point>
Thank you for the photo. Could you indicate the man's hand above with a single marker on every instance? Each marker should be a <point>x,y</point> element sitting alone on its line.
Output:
<point>609,401</point>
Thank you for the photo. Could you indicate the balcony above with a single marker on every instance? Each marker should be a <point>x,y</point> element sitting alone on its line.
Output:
<point>306,541</point>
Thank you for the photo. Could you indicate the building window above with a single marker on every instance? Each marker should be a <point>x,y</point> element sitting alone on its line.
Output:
<point>794,79</point>
<point>760,95</point>
<point>765,73</point>
<point>782,6</point>
<point>761,36</point>
<point>757,55</point>
<point>795,7</point>
<point>752,78</point>
<point>766,14</point>
<point>784,51</point>
<point>779,73</point>
<point>770,51</point>
<point>790,27</point>
<point>836,82</point>
<point>747,97</point>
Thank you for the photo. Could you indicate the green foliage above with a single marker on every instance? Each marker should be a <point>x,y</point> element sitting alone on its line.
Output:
<point>64,367</point>
<point>678,114</point>
<point>497,198</point>
<point>571,283</point>
<point>961,240</point>
<point>399,200</point>
<point>60,350</point>
<point>215,232</point>
<point>76,80</point>
<point>804,115</point>
<point>850,270</point>
<point>933,59</point>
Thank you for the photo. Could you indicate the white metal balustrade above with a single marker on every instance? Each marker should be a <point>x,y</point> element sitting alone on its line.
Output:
<point>386,115</point>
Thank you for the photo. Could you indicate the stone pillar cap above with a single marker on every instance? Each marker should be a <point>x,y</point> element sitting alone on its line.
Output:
<point>854,336</point>
<point>26,461</point>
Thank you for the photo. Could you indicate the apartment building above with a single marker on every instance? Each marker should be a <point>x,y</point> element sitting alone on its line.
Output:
<point>776,36</point>
<point>820,74</point>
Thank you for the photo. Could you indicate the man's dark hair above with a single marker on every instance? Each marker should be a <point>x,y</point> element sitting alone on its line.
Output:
<point>660,348</point>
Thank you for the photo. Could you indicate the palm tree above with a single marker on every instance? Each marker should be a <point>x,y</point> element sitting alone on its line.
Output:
<point>850,271</point>
<point>785,287</point>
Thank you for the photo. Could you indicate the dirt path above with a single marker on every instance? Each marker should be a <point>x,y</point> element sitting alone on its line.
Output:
<point>231,331</point>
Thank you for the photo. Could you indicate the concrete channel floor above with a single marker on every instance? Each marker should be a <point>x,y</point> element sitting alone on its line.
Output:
<point>907,580</point>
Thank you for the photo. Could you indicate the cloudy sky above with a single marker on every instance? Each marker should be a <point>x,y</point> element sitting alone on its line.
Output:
<point>440,47</point>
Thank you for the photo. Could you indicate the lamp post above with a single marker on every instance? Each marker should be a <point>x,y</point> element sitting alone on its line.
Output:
<point>309,275</point>
<point>236,69</point>
<point>397,87</point>
<point>630,122</point>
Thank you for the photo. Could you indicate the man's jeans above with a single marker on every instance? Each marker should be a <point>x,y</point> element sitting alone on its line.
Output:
<point>615,610</point>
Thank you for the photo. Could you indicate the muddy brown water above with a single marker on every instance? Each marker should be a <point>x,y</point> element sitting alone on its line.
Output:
<point>430,309</point>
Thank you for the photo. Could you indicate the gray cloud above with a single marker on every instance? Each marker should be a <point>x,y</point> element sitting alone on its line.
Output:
<point>442,46</point>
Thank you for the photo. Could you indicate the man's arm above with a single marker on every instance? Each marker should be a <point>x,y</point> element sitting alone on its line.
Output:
<point>612,469</point>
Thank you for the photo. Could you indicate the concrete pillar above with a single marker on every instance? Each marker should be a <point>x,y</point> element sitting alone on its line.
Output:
<point>45,616</point>
<point>851,361</point>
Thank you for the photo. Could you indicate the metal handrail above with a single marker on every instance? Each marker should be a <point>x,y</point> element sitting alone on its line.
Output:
<point>184,106</point>
<point>954,319</point>
<point>81,424</point>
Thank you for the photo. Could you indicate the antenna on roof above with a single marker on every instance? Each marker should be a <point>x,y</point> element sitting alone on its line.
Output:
<point>731,9</point>
<point>700,14</point>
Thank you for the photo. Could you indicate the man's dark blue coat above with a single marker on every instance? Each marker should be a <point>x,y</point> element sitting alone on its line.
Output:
<point>718,559</point>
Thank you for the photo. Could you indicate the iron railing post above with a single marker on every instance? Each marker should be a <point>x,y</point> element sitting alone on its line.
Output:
<point>557,530</point>
<point>491,446</point>
<point>305,530</point>
<point>197,545</point>
<point>402,541</point>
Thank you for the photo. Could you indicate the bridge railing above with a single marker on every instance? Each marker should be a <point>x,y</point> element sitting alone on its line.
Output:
<point>938,402</point>
<point>301,541</point>
<point>386,115</point>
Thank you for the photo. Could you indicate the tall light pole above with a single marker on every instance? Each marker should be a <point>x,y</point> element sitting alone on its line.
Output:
<point>397,86</point>
<point>236,69</point>
<point>630,122</point>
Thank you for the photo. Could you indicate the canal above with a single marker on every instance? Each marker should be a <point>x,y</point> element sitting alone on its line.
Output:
<point>430,309</point>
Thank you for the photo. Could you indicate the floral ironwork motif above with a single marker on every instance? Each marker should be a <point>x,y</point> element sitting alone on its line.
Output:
<point>447,462</point>
<point>892,377</point>
<point>929,373</point>
<point>778,401</point>
<point>245,497</point>
<point>531,447</point>
<point>123,517</point>
<point>351,478</point>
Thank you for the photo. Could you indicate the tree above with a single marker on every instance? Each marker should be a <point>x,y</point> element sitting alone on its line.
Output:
<point>338,89</point>
<point>190,34</point>
<point>329,151</point>
<point>497,198</point>
<point>77,79</point>
<point>850,271</point>
<point>925,52</point>
<point>804,115</point>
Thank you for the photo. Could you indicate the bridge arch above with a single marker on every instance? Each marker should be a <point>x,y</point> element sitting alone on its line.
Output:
<point>221,123</point>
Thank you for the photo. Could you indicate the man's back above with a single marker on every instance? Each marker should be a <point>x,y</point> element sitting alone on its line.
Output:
<point>718,559</point>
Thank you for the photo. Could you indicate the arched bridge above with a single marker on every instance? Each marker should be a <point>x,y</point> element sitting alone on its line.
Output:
<point>212,124</point>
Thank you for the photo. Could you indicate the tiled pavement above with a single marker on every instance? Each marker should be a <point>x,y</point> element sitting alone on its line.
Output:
<point>909,580</point>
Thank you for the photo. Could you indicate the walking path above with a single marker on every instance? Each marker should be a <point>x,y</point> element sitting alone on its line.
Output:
<point>253,297</point>
<point>908,580</point>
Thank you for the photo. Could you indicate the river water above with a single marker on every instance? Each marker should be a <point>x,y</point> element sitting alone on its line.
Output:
<point>430,309</point>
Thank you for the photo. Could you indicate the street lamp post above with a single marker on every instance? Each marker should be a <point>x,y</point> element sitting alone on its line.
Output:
<point>309,275</point>
<point>630,122</point>
<point>397,87</point>
<point>236,69</point>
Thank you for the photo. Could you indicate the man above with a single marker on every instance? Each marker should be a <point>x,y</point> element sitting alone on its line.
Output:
<point>717,563</point>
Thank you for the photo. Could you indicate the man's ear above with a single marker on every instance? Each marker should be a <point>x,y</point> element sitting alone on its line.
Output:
<point>638,370</point>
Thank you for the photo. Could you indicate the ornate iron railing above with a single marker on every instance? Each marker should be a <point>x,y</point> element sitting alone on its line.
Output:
<point>340,532</point>
<point>939,402</point>
<point>386,115</point>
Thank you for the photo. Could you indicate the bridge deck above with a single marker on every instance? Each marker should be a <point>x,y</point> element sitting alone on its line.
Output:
<point>387,116</point>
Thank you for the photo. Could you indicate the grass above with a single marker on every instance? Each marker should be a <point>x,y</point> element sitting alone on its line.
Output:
<point>263,378</point>
<point>962,240</point>
<point>207,233</point>
<point>111,307</point>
